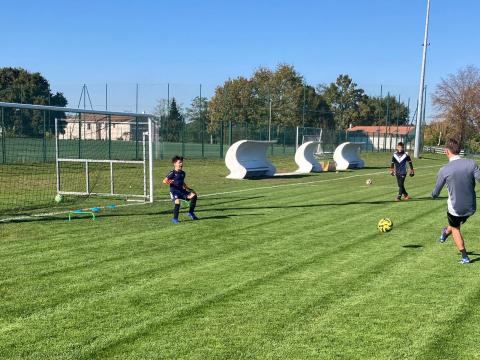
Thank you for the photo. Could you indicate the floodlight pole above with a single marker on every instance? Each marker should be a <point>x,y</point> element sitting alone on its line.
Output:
<point>418,129</point>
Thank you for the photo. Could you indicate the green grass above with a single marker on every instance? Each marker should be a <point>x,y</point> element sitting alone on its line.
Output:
<point>284,268</point>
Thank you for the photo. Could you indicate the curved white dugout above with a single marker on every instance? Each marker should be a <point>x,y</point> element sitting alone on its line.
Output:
<point>248,158</point>
<point>347,156</point>
<point>305,158</point>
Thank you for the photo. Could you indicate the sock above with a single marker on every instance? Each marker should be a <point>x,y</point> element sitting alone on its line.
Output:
<point>464,253</point>
<point>193,203</point>
<point>176,210</point>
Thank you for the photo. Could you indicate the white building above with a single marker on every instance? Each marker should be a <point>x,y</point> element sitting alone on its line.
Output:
<point>96,127</point>
<point>381,137</point>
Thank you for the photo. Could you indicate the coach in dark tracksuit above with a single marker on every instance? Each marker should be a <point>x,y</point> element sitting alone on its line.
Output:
<point>399,168</point>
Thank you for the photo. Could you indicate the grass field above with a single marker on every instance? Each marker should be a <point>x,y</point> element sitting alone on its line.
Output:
<point>284,268</point>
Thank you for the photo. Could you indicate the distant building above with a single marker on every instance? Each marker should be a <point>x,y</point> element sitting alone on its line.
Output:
<point>95,127</point>
<point>381,137</point>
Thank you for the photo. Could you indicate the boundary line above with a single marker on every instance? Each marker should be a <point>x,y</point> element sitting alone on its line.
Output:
<point>63,212</point>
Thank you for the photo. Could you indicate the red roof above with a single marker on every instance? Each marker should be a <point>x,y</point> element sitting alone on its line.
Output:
<point>402,130</point>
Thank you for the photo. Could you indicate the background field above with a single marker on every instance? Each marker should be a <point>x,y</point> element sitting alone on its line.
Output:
<point>289,268</point>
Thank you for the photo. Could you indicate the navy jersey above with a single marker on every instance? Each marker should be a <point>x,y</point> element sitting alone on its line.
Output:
<point>399,161</point>
<point>178,178</point>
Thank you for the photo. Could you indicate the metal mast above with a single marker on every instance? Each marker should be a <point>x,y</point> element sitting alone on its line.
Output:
<point>418,129</point>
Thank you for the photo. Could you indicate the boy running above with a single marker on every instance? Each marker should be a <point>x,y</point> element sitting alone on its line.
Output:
<point>459,175</point>
<point>179,190</point>
<point>398,168</point>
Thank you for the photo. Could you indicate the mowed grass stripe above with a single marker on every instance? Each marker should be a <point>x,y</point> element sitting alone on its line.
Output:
<point>162,269</point>
<point>280,249</point>
<point>311,260</point>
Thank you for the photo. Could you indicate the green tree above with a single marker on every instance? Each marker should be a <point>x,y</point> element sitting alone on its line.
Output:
<point>17,85</point>
<point>234,101</point>
<point>281,94</point>
<point>196,117</point>
<point>174,123</point>
<point>315,111</point>
<point>382,111</point>
<point>344,98</point>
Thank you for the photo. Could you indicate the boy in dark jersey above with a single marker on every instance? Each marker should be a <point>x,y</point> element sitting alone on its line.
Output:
<point>398,168</point>
<point>179,190</point>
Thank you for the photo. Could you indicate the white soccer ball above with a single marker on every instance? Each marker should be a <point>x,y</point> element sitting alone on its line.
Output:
<point>369,182</point>
<point>58,198</point>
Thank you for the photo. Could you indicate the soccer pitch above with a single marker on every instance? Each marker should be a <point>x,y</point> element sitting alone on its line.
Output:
<point>283,268</point>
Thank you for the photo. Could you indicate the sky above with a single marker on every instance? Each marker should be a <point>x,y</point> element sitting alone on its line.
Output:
<point>187,43</point>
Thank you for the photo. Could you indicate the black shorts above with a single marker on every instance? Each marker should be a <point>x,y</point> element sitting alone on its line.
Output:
<point>179,194</point>
<point>456,221</point>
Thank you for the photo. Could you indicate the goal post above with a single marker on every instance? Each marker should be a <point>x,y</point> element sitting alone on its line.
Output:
<point>306,134</point>
<point>105,156</point>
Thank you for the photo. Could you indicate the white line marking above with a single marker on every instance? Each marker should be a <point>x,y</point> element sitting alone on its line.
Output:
<point>28,217</point>
<point>306,182</point>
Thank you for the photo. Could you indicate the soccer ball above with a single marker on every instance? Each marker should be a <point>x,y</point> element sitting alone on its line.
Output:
<point>58,198</point>
<point>369,182</point>
<point>385,225</point>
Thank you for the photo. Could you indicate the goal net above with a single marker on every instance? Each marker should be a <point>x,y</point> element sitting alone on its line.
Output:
<point>105,155</point>
<point>306,134</point>
<point>47,150</point>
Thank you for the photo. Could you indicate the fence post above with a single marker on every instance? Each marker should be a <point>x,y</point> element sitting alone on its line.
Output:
<point>271,146</point>
<point>183,138</point>
<point>4,155</point>
<point>284,131</point>
<point>80,135</point>
<point>160,136</point>
<point>110,137</point>
<point>203,137</point>
<point>44,136</point>
<point>221,139</point>
<point>136,138</point>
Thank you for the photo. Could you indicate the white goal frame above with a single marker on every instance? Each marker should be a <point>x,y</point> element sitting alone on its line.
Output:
<point>146,163</point>
<point>312,137</point>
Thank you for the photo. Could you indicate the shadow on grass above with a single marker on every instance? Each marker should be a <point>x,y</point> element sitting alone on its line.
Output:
<point>280,176</point>
<point>222,217</point>
<point>377,168</point>
<point>27,218</point>
<point>348,203</point>
<point>412,246</point>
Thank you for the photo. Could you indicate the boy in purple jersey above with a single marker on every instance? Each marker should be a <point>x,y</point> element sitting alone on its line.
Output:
<point>398,168</point>
<point>179,190</point>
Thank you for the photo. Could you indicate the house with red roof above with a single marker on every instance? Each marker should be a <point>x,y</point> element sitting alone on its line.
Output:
<point>381,137</point>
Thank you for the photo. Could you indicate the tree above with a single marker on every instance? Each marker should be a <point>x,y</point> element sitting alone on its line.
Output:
<point>20,86</point>
<point>457,100</point>
<point>344,98</point>
<point>161,109</point>
<point>281,94</point>
<point>174,123</point>
<point>234,101</point>
<point>196,117</point>
<point>315,111</point>
<point>375,111</point>
<point>282,91</point>
<point>436,132</point>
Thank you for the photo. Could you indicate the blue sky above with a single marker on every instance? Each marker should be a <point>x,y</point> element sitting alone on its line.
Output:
<point>186,43</point>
